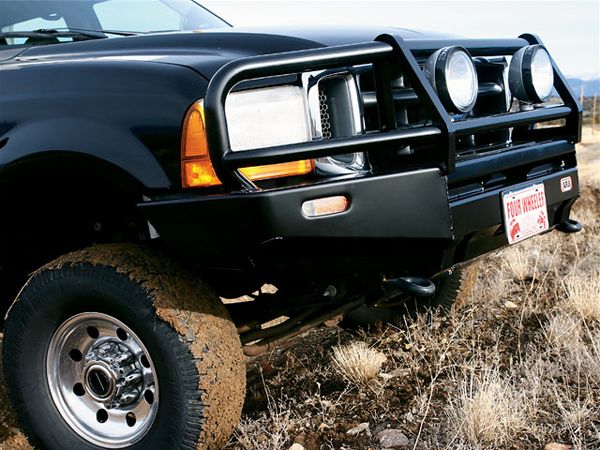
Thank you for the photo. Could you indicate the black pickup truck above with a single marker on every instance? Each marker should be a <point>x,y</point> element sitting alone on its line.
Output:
<point>155,161</point>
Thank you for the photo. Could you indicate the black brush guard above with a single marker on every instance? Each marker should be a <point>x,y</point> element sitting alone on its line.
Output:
<point>385,53</point>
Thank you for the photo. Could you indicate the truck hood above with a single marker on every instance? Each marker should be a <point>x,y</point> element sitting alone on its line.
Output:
<point>209,50</point>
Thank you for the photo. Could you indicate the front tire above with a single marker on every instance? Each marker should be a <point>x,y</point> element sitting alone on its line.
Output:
<point>117,347</point>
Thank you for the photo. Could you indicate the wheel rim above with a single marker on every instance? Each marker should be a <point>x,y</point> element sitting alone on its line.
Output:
<point>102,380</point>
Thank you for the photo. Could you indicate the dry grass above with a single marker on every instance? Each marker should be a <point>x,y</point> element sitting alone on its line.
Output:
<point>358,363</point>
<point>562,331</point>
<point>519,262</point>
<point>588,161</point>
<point>583,296</point>
<point>271,432</point>
<point>488,410</point>
<point>254,435</point>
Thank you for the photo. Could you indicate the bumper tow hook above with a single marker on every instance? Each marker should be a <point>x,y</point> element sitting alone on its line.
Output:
<point>415,286</point>
<point>570,226</point>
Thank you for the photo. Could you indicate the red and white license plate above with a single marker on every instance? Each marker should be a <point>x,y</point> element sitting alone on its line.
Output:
<point>525,213</point>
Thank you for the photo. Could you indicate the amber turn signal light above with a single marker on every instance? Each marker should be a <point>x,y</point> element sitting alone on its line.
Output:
<point>196,167</point>
<point>287,169</point>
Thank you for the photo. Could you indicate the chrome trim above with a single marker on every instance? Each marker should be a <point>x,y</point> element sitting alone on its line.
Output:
<point>507,93</point>
<point>312,83</point>
<point>311,90</point>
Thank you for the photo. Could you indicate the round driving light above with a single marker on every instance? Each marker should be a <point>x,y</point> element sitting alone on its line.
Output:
<point>531,75</point>
<point>452,74</point>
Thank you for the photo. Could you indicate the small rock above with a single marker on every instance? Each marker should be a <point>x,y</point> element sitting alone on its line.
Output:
<point>380,427</point>
<point>556,446</point>
<point>395,373</point>
<point>300,439</point>
<point>359,429</point>
<point>266,368</point>
<point>334,321</point>
<point>392,438</point>
<point>510,305</point>
<point>323,427</point>
<point>398,353</point>
<point>297,446</point>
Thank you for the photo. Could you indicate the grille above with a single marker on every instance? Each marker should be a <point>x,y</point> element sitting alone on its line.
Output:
<point>324,111</point>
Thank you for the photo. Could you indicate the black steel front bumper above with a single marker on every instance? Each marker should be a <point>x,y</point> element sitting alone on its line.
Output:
<point>413,222</point>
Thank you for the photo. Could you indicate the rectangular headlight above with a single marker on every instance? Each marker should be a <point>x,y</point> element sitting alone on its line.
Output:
<point>267,117</point>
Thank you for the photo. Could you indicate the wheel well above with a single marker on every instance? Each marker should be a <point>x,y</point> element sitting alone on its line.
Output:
<point>49,209</point>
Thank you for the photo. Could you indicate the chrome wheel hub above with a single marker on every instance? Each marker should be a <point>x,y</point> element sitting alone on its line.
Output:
<point>102,380</point>
<point>113,374</point>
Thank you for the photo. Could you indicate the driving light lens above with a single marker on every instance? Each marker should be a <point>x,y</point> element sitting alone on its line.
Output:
<point>452,73</point>
<point>462,81</point>
<point>531,75</point>
<point>542,74</point>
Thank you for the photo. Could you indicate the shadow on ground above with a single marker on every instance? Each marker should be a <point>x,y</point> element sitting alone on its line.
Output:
<point>10,436</point>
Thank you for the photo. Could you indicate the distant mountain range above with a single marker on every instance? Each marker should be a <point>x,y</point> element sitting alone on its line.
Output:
<point>590,84</point>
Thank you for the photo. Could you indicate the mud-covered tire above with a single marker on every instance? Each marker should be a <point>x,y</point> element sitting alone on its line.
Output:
<point>194,346</point>
<point>451,288</point>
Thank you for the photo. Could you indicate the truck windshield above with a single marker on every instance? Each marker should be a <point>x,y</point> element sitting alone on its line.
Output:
<point>26,22</point>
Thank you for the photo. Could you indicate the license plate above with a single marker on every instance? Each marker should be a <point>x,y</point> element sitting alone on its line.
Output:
<point>525,213</point>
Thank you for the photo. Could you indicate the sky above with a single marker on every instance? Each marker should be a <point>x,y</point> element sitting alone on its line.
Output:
<point>569,29</point>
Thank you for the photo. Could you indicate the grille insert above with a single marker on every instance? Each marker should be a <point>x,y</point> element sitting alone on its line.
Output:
<point>325,118</point>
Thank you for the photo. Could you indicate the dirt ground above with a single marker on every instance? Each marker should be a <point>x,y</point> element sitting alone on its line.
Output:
<point>10,436</point>
<point>515,366</point>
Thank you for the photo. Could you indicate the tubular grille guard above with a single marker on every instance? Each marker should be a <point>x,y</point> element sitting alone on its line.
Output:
<point>385,52</point>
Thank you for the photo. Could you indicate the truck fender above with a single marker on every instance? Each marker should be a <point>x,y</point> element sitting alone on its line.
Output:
<point>119,147</point>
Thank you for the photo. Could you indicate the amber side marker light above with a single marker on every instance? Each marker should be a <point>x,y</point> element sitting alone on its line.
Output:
<point>325,206</point>
<point>196,166</point>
